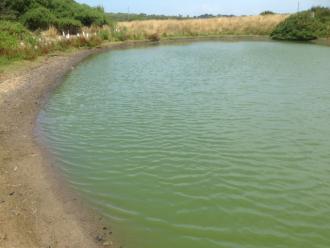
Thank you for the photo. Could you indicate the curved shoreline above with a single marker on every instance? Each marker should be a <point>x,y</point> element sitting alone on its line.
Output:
<point>36,210</point>
<point>36,207</point>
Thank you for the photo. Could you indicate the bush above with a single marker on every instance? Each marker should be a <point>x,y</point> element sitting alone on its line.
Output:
<point>304,26</point>
<point>267,12</point>
<point>40,14</point>
<point>13,28</point>
<point>38,18</point>
<point>12,34</point>
<point>105,35</point>
<point>7,42</point>
<point>68,25</point>
<point>154,37</point>
<point>321,13</point>
<point>17,7</point>
<point>94,41</point>
<point>121,34</point>
<point>299,27</point>
<point>89,16</point>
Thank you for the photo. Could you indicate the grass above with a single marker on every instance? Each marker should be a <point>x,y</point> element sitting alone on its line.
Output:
<point>248,25</point>
<point>17,43</point>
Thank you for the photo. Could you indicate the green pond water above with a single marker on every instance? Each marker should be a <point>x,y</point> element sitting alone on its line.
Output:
<point>202,145</point>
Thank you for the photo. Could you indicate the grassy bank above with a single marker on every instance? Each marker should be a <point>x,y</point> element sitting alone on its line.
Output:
<point>248,25</point>
<point>31,28</point>
<point>18,42</point>
<point>26,33</point>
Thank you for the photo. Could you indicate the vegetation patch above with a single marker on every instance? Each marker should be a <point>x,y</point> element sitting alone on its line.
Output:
<point>41,14</point>
<point>267,12</point>
<point>68,25</point>
<point>13,37</point>
<point>304,26</point>
<point>244,25</point>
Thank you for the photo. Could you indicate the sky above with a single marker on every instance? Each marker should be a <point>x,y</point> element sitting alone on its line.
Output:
<point>198,7</point>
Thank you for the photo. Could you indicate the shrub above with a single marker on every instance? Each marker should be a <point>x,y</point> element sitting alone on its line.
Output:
<point>13,28</point>
<point>7,44</point>
<point>89,16</point>
<point>304,26</point>
<point>17,7</point>
<point>68,25</point>
<point>94,41</point>
<point>121,34</point>
<point>154,37</point>
<point>38,18</point>
<point>7,13</point>
<point>267,12</point>
<point>105,35</point>
<point>299,27</point>
<point>52,32</point>
<point>321,13</point>
<point>12,36</point>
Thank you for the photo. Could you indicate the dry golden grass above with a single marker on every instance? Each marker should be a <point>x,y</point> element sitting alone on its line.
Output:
<point>50,33</point>
<point>247,25</point>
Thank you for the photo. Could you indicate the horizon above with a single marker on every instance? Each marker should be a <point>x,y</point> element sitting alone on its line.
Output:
<point>199,7</point>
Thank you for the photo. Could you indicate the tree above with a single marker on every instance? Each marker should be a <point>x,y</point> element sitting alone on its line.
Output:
<point>267,12</point>
<point>38,18</point>
<point>68,25</point>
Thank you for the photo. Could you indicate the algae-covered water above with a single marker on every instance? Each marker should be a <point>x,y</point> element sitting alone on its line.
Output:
<point>211,144</point>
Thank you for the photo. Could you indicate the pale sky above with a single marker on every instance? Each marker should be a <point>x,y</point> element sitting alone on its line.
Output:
<point>197,7</point>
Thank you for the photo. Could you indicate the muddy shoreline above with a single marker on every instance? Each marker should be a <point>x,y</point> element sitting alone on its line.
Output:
<point>37,208</point>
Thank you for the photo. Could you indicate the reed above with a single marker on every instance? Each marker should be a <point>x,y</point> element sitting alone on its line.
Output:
<point>51,32</point>
<point>244,25</point>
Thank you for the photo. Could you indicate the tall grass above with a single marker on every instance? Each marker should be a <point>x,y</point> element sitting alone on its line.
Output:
<point>16,42</point>
<point>245,25</point>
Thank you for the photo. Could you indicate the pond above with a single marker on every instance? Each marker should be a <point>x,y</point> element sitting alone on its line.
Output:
<point>206,144</point>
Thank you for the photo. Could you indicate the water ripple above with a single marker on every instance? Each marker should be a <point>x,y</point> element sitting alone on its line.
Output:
<point>203,145</point>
